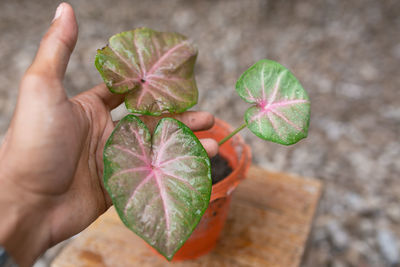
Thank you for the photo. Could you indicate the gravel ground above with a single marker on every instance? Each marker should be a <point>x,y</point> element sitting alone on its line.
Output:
<point>346,53</point>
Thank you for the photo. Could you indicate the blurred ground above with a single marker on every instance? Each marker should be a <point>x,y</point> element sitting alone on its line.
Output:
<point>345,53</point>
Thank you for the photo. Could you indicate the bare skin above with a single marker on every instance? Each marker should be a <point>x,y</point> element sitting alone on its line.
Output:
<point>51,157</point>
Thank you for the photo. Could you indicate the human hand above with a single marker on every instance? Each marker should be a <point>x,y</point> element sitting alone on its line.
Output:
<point>51,162</point>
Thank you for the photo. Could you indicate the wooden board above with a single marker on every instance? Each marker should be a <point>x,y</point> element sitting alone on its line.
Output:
<point>268,225</point>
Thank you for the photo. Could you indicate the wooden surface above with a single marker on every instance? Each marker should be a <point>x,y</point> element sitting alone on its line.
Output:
<point>268,225</point>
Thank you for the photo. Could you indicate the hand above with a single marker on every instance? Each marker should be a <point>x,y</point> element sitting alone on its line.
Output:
<point>51,164</point>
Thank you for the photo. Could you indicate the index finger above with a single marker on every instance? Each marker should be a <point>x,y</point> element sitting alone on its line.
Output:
<point>195,120</point>
<point>109,99</point>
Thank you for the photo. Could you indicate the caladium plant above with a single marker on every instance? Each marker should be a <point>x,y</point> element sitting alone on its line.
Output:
<point>160,182</point>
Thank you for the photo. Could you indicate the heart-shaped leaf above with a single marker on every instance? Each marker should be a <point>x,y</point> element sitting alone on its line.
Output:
<point>155,69</point>
<point>281,110</point>
<point>160,185</point>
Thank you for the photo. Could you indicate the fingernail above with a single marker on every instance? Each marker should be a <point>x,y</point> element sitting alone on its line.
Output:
<point>58,12</point>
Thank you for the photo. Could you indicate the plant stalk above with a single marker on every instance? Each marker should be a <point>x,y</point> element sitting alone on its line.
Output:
<point>232,134</point>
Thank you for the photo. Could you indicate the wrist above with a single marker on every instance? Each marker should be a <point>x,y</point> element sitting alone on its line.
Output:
<point>22,226</point>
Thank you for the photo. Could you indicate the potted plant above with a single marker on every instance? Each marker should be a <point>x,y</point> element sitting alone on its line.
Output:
<point>160,182</point>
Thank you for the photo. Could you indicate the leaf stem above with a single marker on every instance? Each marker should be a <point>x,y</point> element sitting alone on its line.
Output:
<point>232,134</point>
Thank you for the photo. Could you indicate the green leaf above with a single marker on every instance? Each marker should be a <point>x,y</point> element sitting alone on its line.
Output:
<point>281,107</point>
<point>160,185</point>
<point>154,69</point>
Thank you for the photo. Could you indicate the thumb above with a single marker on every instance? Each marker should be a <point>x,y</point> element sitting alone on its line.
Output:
<point>57,45</point>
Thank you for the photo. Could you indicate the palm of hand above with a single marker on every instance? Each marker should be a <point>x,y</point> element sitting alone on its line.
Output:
<point>67,137</point>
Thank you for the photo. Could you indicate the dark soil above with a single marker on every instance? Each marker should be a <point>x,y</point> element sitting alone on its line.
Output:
<point>219,169</point>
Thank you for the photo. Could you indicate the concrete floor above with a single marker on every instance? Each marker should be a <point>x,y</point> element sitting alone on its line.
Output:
<point>345,53</point>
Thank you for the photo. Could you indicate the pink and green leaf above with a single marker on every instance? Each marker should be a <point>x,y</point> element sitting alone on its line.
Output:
<point>154,69</point>
<point>281,107</point>
<point>160,184</point>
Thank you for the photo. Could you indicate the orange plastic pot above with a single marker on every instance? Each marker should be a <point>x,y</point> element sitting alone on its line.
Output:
<point>207,232</point>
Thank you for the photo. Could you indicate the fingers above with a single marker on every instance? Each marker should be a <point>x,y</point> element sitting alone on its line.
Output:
<point>195,120</point>
<point>109,99</point>
<point>210,145</point>
<point>56,46</point>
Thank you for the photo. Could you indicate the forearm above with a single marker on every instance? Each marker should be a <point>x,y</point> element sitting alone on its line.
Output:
<point>22,231</point>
